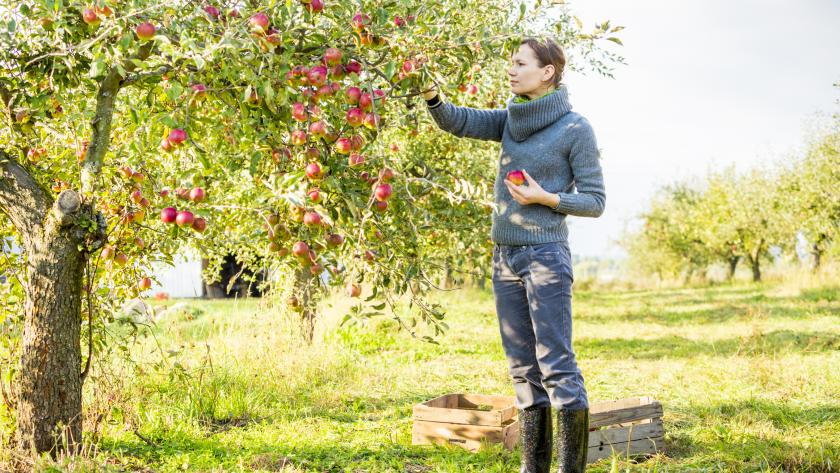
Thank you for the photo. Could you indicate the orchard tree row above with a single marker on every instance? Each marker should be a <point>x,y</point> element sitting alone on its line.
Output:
<point>286,133</point>
<point>731,219</point>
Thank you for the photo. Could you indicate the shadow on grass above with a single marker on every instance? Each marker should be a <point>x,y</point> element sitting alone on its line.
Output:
<point>779,341</point>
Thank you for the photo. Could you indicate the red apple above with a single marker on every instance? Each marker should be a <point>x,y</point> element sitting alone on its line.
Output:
<point>517,177</point>
<point>356,159</point>
<point>300,248</point>
<point>355,117</point>
<point>314,195</point>
<point>121,259</point>
<point>298,137</point>
<point>365,101</point>
<point>334,240</point>
<point>165,144</point>
<point>337,72</point>
<point>89,16</point>
<point>353,67</point>
<point>353,94</point>
<point>380,206</point>
<point>125,171</point>
<point>299,112</point>
<point>313,153</point>
<point>314,171</point>
<point>314,6</point>
<point>199,224</point>
<point>354,290</point>
<point>144,202</point>
<point>168,215</point>
<point>318,128</point>
<point>332,56</point>
<point>472,89</point>
<point>177,136</point>
<point>343,145</point>
<point>394,148</point>
<point>259,22</point>
<point>372,121</point>
<point>212,11</point>
<point>386,174</point>
<point>108,252</point>
<point>136,196</point>
<point>312,218</point>
<point>383,192</point>
<point>317,75</point>
<point>197,194</point>
<point>145,31</point>
<point>144,284</point>
<point>185,218</point>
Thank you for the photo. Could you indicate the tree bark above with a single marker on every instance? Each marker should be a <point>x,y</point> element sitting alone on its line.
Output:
<point>50,387</point>
<point>817,252</point>
<point>756,268</point>
<point>733,265</point>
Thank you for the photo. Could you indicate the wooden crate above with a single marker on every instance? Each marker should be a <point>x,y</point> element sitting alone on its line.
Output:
<point>466,420</point>
<point>625,426</point>
<point>628,427</point>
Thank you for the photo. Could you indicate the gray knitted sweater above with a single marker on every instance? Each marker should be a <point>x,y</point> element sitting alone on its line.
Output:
<point>555,145</point>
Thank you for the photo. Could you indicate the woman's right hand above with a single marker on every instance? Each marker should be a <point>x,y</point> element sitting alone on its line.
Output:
<point>429,92</point>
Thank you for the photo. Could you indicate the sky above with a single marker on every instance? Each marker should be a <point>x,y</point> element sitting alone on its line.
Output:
<point>706,84</point>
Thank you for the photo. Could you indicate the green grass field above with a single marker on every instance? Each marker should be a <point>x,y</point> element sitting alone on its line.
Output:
<point>748,376</point>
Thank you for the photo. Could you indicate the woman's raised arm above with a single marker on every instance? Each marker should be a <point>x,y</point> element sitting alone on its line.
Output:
<point>466,121</point>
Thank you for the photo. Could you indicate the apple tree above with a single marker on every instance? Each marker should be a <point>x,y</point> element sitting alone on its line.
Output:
<point>133,128</point>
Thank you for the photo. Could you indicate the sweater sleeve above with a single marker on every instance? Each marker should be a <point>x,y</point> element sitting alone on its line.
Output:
<point>590,199</point>
<point>468,122</point>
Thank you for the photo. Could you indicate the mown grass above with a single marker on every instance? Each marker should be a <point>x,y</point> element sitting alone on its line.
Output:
<point>747,374</point>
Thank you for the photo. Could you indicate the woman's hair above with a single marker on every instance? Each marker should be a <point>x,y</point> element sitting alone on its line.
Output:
<point>548,52</point>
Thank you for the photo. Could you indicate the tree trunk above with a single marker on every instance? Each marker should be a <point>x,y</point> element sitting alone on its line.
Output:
<point>817,251</point>
<point>50,387</point>
<point>733,264</point>
<point>756,268</point>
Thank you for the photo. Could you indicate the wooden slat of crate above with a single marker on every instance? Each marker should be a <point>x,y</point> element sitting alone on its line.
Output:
<point>653,410</point>
<point>637,447</point>
<point>456,409</point>
<point>597,407</point>
<point>467,436</point>
<point>612,436</point>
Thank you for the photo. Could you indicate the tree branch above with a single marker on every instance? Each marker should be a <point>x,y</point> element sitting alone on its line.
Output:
<point>101,123</point>
<point>21,197</point>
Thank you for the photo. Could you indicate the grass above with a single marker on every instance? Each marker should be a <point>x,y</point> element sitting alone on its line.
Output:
<point>747,375</point>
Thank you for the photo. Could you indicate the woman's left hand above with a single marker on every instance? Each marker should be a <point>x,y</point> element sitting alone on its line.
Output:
<point>533,193</point>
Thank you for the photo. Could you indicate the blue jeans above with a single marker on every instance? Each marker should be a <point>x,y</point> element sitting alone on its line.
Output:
<point>532,285</point>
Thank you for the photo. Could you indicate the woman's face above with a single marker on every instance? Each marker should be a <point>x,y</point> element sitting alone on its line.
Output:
<point>526,75</point>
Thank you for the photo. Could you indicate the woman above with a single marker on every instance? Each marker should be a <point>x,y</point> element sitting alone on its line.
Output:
<point>532,267</point>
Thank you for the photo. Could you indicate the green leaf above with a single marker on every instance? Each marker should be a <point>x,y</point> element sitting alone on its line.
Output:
<point>615,40</point>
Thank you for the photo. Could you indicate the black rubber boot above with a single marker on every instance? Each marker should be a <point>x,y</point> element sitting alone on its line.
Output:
<point>535,439</point>
<point>572,439</point>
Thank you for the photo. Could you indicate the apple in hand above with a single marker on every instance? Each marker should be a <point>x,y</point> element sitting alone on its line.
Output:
<point>517,177</point>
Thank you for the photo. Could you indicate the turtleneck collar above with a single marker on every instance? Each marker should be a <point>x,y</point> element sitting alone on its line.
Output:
<point>526,118</point>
